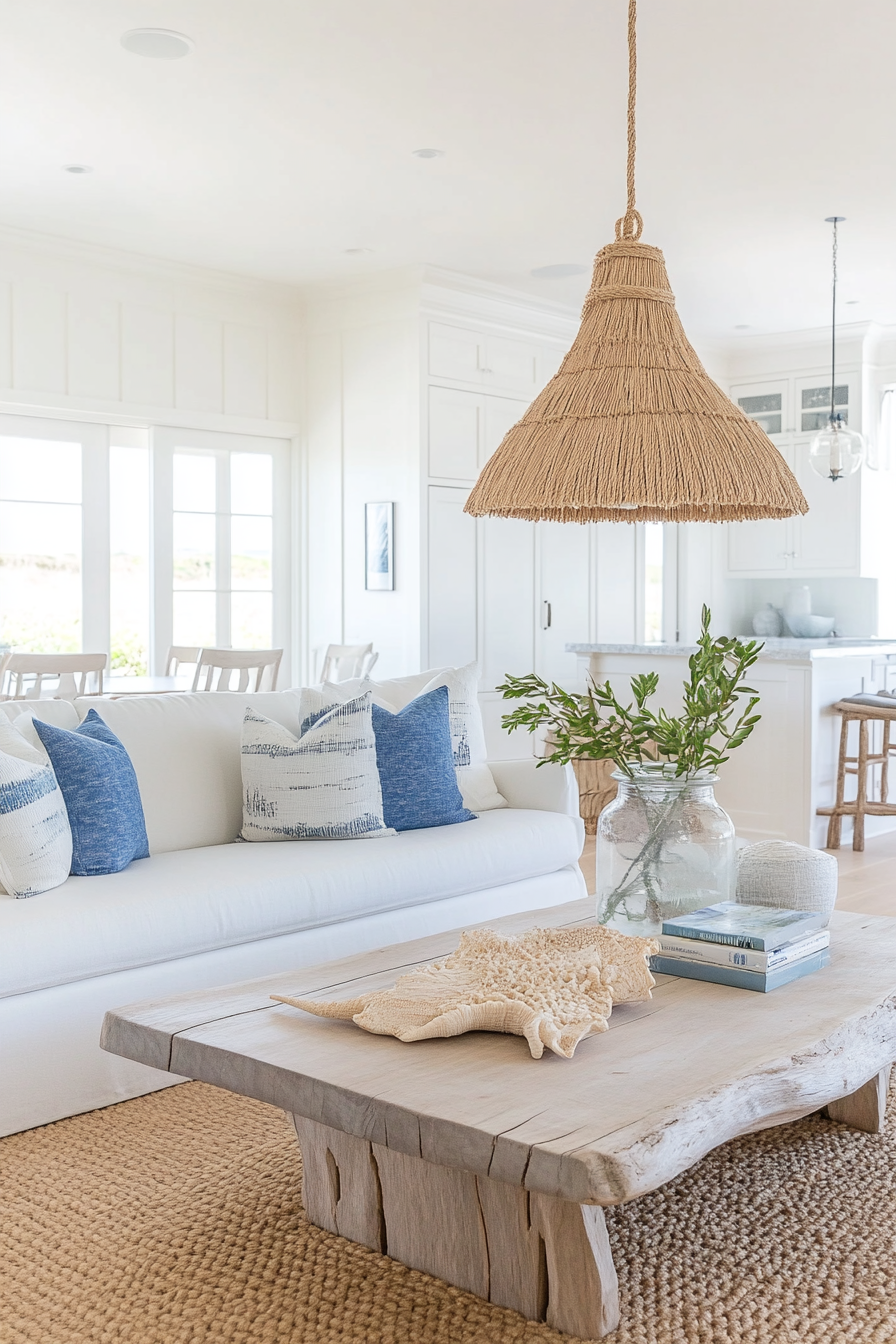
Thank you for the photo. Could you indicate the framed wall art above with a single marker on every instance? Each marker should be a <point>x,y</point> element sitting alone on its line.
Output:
<point>379,546</point>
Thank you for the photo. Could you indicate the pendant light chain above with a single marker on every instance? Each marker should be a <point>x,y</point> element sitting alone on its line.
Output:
<point>833,319</point>
<point>629,227</point>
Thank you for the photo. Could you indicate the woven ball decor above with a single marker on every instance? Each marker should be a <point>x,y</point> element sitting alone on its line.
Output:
<point>779,872</point>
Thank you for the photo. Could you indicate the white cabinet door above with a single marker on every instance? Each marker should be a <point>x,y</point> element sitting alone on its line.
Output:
<point>507,587</point>
<point>826,539</point>
<point>765,546</point>
<point>759,548</point>
<point>512,364</point>
<point>563,600</point>
<point>452,586</point>
<point>455,433</point>
<point>456,353</point>
<point>465,355</point>
<point>499,414</point>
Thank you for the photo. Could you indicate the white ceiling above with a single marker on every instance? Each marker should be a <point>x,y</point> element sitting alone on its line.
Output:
<point>286,138</point>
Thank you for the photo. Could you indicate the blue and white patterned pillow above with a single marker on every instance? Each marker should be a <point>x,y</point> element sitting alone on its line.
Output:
<point>35,836</point>
<point>323,785</point>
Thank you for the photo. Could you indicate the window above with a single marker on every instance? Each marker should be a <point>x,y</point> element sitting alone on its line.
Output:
<point>653,583</point>
<point>40,544</point>
<point>128,540</point>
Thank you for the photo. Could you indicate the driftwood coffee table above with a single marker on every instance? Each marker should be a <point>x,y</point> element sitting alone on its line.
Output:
<point>470,1160</point>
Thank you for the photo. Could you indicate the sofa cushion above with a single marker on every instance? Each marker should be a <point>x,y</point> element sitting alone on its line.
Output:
<point>474,777</point>
<point>323,785</point>
<point>416,764</point>
<point>185,750</point>
<point>101,796</point>
<point>35,838</point>
<point>174,905</point>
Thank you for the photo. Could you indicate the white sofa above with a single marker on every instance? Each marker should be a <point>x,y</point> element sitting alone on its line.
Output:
<point>203,910</point>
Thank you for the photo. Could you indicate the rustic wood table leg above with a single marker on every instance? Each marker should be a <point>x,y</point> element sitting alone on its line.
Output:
<point>864,1109</point>
<point>546,1258</point>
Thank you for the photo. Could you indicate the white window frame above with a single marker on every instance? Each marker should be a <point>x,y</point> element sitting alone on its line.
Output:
<point>164,442</point>
<point>94,440</point>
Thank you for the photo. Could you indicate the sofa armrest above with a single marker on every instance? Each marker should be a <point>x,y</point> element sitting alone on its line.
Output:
<point>544,788</point>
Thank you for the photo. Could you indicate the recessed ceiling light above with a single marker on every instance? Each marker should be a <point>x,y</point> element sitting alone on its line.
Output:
<point>558,272</point>
<point>428,153</point>
<point>356,251</point>
<point>160,44</point>
<point>850,303</point>
<point>77,168</point>
<point>742,326</point>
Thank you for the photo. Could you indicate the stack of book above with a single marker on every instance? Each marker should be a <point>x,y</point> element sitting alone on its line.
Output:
<point>748,946</point>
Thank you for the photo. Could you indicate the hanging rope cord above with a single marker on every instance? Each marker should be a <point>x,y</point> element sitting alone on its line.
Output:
<point>833,322</point>
<point>630,225</point>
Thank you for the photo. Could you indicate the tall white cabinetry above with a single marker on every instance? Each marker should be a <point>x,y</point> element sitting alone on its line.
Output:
<point>826,541</point>
<point>507,592</point>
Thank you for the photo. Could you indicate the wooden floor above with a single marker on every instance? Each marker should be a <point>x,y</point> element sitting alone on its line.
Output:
<point>867,881</point>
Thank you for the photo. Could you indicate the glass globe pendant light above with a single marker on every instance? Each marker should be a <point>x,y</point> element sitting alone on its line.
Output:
<point>836,451</point>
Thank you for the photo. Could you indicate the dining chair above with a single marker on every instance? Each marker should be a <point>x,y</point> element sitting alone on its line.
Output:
<point>344,661</point>
<point>181,653</point>
<point>74,673</point>
<point>265,663</point>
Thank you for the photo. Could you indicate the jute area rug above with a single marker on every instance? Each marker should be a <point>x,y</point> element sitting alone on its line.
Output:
<point>177,1218</point>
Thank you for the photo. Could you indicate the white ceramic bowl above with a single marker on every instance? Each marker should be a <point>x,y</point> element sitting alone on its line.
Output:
<point>807,626</point>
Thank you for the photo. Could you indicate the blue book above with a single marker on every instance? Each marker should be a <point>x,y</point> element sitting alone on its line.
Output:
<point>761,981</point>
<point>761,927</point>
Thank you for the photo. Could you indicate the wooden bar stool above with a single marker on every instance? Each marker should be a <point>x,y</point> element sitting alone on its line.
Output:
<point>862,806</point>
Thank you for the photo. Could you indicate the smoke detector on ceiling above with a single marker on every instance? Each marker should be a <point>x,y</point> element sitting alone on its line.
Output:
<point>428,153</point>
<point>77,168</point>
<point>159,44</point>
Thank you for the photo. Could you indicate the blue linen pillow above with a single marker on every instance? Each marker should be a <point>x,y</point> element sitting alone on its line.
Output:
<point>101,796</point>
<point>416,764</point>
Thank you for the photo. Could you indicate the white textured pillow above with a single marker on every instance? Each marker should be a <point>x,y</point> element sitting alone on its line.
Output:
<point>35,837</point>
<point>323,785</point>
<point>474,778</point>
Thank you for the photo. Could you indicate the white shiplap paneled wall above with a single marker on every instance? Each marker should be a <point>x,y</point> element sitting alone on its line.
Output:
<point>86,328</point>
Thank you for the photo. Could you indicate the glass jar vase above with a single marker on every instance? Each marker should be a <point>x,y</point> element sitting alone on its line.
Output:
<point>664,847</point>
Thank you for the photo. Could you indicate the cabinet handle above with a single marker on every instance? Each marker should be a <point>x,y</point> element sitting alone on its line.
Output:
<point>790,555</point>
<point>545,615</point>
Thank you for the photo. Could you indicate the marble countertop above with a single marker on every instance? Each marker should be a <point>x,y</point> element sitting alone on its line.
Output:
<point>781,649</point>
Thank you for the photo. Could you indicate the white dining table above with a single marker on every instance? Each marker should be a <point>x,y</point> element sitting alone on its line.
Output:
<point>113,687</point>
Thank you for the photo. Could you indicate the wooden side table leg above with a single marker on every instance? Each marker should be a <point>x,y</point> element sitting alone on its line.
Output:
<point>546,1258</point>
<point>864,1109</point>
<point>835,824</point>
<point>858,834</point>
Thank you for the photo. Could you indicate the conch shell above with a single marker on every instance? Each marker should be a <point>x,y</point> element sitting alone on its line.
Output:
<point>553,986</point>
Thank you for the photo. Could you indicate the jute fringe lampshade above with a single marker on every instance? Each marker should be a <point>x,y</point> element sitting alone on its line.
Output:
<point>632,428</point>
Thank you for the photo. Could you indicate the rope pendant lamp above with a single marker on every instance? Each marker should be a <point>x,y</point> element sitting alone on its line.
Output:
<point>632,428</point>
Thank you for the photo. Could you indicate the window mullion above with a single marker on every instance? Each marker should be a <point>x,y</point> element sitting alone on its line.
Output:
<point>161,565</point>
<point>95,560</point>
<point>222,551</point>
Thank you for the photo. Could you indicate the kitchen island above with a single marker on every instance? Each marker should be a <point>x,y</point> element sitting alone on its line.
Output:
<point>773,784</point>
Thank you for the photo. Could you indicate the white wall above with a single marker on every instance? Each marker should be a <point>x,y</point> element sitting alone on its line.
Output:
<point>85,329</point>
<point>362,444</point>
